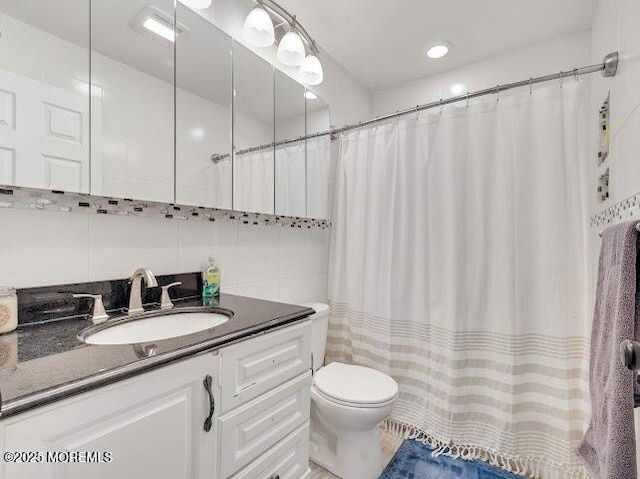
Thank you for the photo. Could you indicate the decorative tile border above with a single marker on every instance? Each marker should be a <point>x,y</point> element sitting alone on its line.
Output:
<point>35,199</point>
<point>626,209</point>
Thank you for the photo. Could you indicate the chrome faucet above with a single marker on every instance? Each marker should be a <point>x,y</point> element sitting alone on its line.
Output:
<point>135,298</point>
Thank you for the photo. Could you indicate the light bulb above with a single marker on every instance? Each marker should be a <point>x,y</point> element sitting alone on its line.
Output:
<point>197,4</point>
<point>291,49</point>
<point>258,28</point>
<point>457,88</point>
<point>311,71</point>
<point>438,50</point>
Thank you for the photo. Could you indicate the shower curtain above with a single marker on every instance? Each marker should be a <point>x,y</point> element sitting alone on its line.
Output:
<point>253,181</point>
<point>459,267</point>
<point>291,180</point>
<point>318,177</point>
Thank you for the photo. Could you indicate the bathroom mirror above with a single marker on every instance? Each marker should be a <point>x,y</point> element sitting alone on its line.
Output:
<point>290,169</point>
<point>203,112</point>
<point>44,94</point>
<point>132,107</point>
<point>319,156</point>
<point>253,132</point>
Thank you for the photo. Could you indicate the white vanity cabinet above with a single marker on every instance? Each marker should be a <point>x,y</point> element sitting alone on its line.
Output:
<point>152,424</point>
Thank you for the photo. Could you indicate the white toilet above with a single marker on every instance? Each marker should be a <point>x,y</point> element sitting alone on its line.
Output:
<point>347,404</point>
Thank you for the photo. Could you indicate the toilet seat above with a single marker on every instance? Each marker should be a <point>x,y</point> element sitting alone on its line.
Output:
<point>355,386</point>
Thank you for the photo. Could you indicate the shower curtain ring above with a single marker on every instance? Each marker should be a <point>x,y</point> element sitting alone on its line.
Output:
<point>575,74</point>
<point>530,83</point>
<point>561,78</point>
<point>467,99</point>
<point>497,92</point>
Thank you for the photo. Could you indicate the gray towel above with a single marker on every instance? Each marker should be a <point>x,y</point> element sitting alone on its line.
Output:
<point>609,447</point>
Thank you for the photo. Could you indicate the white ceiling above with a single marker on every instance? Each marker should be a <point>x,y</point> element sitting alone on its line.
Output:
<point>381,42</point>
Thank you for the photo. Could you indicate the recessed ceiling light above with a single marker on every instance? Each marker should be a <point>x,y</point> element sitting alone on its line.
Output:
<point>309,95</point>
<point>437,50</point>
<point>457,88</point>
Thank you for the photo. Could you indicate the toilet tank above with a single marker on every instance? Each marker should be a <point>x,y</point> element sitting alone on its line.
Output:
<point>319,328</point>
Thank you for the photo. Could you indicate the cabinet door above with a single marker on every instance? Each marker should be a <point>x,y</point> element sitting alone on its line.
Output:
<point>152,426</point>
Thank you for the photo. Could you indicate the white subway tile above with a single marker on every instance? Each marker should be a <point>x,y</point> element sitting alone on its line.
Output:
<point>269,290</point>
<point>39,248</point>
<point>258,254</point>
<point>119,245</point>
<point>224,250</point>
<point>304,251</point>
<point>301,289</point>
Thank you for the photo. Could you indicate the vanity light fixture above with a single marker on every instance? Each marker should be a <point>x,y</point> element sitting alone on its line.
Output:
<point>295,48</point>
<point>258,28</point>
<point>291,50</point>
<point>309,95</point>
<point>196,4</point>
<point>437,50</point>
<point>311,70</point>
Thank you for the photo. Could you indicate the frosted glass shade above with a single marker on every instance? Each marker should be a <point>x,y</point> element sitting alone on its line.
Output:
<point>258,28</point>
<point>197,4</point>
<point>291,50</point>
<point>310,71</point>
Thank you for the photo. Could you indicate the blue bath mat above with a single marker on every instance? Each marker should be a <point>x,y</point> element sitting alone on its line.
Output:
<point>414,461</point>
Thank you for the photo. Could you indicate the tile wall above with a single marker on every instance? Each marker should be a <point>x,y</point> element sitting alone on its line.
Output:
<point>39,248</point>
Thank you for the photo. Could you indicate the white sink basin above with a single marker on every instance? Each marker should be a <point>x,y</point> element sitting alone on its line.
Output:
<point>156,328</point>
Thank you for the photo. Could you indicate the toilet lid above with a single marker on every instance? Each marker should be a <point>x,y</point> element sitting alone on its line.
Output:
<point>355,384</point>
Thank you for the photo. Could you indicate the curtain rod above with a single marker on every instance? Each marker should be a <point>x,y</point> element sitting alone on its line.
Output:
<point>608,67</point>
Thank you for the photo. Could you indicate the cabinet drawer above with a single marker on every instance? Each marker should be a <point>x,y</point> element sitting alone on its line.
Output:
<point>289,459</point>
<point>255,366</point>
<point>250,430</point>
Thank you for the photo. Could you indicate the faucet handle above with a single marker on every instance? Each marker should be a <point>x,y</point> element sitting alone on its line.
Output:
<point>98,313</point>
<point>165,299</point>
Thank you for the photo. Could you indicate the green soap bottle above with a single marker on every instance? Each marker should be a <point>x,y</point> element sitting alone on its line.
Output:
<point>211,280</point>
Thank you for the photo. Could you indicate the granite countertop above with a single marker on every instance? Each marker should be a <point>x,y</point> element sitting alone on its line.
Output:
<point>41,363</point>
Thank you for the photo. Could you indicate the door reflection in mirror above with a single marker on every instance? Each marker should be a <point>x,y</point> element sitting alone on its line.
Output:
<point>44,94</point>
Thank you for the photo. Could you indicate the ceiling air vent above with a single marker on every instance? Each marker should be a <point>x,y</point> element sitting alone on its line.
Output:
<point>157,24</point>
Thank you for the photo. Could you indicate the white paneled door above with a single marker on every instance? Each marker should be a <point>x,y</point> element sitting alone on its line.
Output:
<point>44,135</point>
